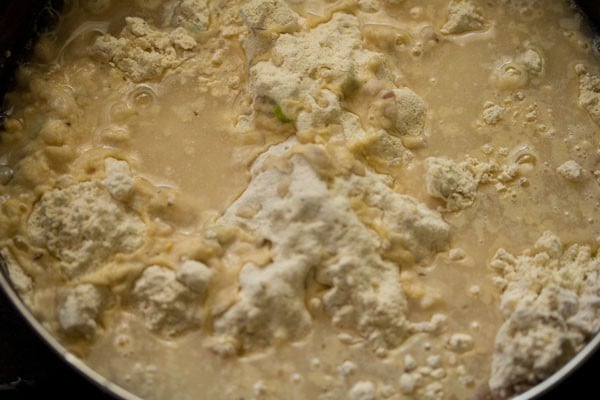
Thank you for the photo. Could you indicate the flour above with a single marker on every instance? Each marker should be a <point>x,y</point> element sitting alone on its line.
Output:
<point>270,307</point>
<point>363,390</point>
<point>518,72</point>
<point>423,231</point>
<point>589,92</point>
<point>409,363</point>
<point>409,382</point>
<point>433,391</point>
<point>460,342</point>
<point>399,111</point>
<point>347,368</point>
<point>143,52</point>
<point>434,326</point>
<point>83,227</point>
<point>456,182</point>
<point>313,227</point>
<point>20,280</point>
<point>270,15</point>
<point>167,305</point>
<point>384,152</point>
<point>369,6</point>
<point>307,185</point>
<point>452,182</point>
<point>119,181</point>
<point>532,61</point>
<point>80,310</point>
<point>309,71</point>
<point>571,171</point>
<point>191,14</point>
<point>493,114</point>
<point>551,306</point>
<point>463,17</point>
<point>195,275</point>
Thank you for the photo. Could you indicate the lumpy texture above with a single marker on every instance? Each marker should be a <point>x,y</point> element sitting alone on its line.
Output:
<point>549,301</point>
<point>301,199</point>
<point>83,226</point>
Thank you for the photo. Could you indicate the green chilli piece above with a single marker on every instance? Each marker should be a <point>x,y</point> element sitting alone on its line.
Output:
<point>279,114</point>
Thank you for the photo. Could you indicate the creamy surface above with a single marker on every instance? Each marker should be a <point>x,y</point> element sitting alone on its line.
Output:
<point>310,196</point>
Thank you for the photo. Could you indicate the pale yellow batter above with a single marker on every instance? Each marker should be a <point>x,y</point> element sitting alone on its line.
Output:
<point>288,199</point>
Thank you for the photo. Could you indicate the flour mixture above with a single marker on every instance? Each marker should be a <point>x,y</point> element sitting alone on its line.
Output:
<point>300,199</point>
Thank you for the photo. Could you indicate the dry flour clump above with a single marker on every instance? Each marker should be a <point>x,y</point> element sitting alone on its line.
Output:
<point>493,114</point>
<point>460,342</point>
<point>83,226</point>
<point>119,181</point>
<point>270,305</point>
<point>195,275</point>
<point>363,390</point>
<point>269,15</point>
<point>463,16</point>
<point>19,279</point>
<point>143,52</point>
<point>532,61</point>
<point>381,150</point>
<point>451,182</point>
<point>571,171</point>
<point>81,309</point>
<point>551,303</point>
<point>518,72</point>
<point>589,92</point>
<point>315,227</point>
<point>456,182</point>
<point>265,20</point>
<point>164,300</point>
<point>191,14</point>
<point>399,111</point>
<point>308,71</point>
<point>423,232</point>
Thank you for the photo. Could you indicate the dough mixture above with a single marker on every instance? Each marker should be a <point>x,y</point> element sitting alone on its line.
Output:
<point>301,199</point>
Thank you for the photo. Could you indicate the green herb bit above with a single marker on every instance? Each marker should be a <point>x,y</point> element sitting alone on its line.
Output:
<point>279,114</point>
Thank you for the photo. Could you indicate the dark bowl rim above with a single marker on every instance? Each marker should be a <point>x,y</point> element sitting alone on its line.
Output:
<point>590,10</point>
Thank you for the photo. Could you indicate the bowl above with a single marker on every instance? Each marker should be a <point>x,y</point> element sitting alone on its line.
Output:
<point>16,40</point>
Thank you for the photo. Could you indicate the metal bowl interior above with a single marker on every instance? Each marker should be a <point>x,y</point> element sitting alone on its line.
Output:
<point>16,40</point>
<point>73,361</point>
